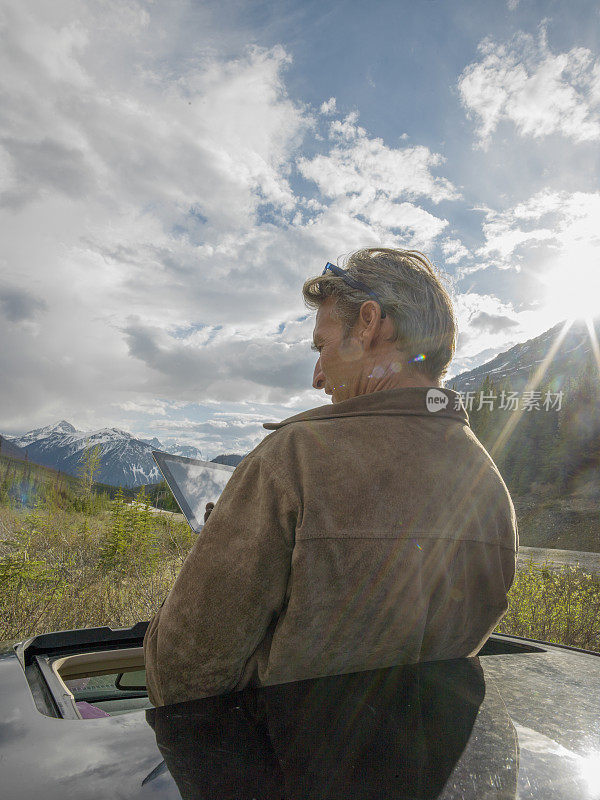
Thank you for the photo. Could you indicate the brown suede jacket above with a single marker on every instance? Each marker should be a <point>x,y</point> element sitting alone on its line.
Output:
<point>358,535</point>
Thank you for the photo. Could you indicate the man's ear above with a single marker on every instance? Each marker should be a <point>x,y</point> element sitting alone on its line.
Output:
<point>369,318</point>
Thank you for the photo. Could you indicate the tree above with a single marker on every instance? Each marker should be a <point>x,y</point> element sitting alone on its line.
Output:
<point>117,539</point>
<point>89,464</point>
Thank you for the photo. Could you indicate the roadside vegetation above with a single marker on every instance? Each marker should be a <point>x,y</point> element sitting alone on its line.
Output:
<point>74,558</point>
<point>74,555</point>
<point>555,605</point>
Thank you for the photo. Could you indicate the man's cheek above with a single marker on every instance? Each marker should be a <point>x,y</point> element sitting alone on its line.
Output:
<point>350,352</point>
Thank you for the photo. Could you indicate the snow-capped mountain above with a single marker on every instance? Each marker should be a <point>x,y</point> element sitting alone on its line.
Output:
<point>185,450</point>
<point>125,459</point>
<point>520,361</point>
<point>26,439</point>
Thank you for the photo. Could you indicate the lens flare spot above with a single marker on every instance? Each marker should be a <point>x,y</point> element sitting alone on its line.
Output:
<point>590,771</point>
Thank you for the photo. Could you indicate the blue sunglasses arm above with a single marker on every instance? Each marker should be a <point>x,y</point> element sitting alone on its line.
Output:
<point>342,273</point>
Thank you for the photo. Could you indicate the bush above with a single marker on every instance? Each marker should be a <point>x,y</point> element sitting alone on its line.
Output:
<point>55,573</point>
<point>555,605</point>
<point>131,532</point>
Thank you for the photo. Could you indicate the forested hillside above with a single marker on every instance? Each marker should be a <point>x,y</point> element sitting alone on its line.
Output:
<point>548,452</point>
<point>546,446</point>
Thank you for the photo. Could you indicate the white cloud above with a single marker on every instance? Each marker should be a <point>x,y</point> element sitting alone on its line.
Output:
<point>370,186</point>
<point>212,436</point>
<point>154,242</point>
<point>454,251</point>
<point>503,239</point>
<point>236,366</point>
<point>477,332</point>
<point>368,168</point>
<point>539,91</point>
<point>127,187</point>
<point>570,221</point>
<point>555,238</point>
<point>486,326</point>
<point>328,107</point>
<point>147,406</point>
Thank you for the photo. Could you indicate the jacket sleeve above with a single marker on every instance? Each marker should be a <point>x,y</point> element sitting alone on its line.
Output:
<point>231,586</point>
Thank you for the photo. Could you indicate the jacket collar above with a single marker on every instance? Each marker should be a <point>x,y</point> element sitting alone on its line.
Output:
<point>416,401</point>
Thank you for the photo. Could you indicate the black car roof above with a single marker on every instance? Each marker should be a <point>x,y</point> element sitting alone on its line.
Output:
<point>520,718</point>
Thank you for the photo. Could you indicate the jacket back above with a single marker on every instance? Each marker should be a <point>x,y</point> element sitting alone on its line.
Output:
<point>356,536</point>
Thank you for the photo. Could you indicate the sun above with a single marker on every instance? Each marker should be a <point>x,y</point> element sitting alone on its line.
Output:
<point>572,287</point>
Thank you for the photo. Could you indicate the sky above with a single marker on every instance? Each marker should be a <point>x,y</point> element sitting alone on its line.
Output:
<point>172,172</point>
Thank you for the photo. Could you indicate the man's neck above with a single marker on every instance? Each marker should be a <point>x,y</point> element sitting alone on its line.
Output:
<point>394,373</point>
<point>387,374</point>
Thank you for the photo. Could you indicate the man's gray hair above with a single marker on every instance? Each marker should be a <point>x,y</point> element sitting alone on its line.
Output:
<point>411,294</point>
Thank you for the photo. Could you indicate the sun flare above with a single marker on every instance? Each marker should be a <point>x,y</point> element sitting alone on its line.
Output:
<point>572,289</point>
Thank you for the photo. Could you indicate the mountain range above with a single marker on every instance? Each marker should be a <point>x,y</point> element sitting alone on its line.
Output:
<point>125,460</point>
<point>518,363</point>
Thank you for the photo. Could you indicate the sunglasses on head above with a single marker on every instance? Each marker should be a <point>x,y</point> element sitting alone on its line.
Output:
<point>342,273</point>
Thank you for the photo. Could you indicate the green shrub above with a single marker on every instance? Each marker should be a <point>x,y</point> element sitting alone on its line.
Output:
<point>61,568</point>
<point>555,605</point>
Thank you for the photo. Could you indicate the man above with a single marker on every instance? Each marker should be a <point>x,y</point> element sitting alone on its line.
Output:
<point>368,533</point>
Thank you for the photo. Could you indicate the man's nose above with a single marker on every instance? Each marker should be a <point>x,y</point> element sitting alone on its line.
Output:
<point>318,376</point>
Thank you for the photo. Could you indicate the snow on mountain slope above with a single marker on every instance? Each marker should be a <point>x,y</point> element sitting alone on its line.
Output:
<point>517,364</point>
<point>185,450</point>
<point>125,459</point>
